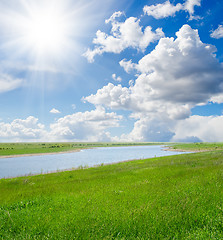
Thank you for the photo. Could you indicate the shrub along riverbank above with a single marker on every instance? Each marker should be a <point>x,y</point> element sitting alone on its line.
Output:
<point>174,197</point>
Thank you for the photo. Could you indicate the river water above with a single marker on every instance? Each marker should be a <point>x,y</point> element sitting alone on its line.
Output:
<point>21,166</point>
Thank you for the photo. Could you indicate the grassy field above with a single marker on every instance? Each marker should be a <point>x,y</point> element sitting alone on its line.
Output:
<point>174,197</point>
<point>198,146</point>
<point>32,148</point>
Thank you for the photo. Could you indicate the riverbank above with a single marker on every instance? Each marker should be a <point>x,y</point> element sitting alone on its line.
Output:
<point>31,149</point>
<point>172,149</point>
<point>39,154</point>
<point>35,149</point>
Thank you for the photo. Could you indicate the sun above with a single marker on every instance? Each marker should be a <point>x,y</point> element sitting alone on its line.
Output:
<point>40,30</point>
<point>45,31</point>
<point>46,35</point>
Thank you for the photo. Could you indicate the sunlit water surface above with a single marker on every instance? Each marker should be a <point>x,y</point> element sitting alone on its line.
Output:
<point>20,166</point>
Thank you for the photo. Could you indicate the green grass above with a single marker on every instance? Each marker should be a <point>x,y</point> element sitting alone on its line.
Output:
<point>31,148</point>
<point>198,146</point>
<point>175,197</point>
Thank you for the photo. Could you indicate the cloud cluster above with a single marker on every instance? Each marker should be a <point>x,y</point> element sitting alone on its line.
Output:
<point>123,35</point>
<point>167,9</point>
<point>150,128</point>
<point>217,33</point>
<point>203,128</point>
<point>181,71</point>
<point>81,126</point>
<point>85,126</point>
<point>176,76</point>
<point>28,129</point>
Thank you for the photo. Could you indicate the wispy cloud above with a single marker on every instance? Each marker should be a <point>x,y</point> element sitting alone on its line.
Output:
<point>9,83</point>
<point>217,33</point>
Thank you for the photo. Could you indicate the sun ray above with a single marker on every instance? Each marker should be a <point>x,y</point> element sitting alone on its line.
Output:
<point>39,31</point>
<point>47,35</point>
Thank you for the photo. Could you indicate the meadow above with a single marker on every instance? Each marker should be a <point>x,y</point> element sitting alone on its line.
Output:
<point>174,197</point>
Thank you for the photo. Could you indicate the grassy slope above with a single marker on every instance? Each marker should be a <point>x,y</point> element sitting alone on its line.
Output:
<point>30,148</point>
<point>176,197</point>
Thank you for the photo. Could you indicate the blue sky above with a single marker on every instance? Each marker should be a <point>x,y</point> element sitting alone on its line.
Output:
<point>111,71</point>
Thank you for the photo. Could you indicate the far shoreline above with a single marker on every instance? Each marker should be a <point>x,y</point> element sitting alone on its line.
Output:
<point>166,148</point>
<point>40,154</point>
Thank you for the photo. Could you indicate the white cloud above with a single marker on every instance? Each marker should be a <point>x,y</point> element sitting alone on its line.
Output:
<point>116,78</point>
<point>127,65</point>
<point>81,126</point>
<point>8,83</point>
<point>54,111</point>
<point>205,128</point>
<point>217,33</point>
<point>150,129</point>
<point>176,76</point>
<point>123,35</point>
<point>22,130</point>
<point>217,98</point>
<point>111,96</point>
<point>189,7</point>
<point>183,72</point>
<point>167,9</point>
<point>162,10</point>
<point>85,126</point>
<point>114,16</point>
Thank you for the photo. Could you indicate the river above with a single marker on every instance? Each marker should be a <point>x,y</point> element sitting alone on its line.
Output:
<point>27,165</point>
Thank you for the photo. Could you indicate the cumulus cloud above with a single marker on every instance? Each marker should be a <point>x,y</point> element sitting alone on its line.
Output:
<point>85,126</point>
<point>217,98</point>
<point>8,83</point>
<point>81,126</point>
<point>123,35</point>
<point>111,96</point>
<point>189,6</point>
<point>203,128</point>
<point>22,130</point>
<point>183,71</point>
<point>176,76</point>
<point>54,111</point>
<point>192,129</point>
<point>167,9</point>
<point>162,10</point>
<point>116,78</point>
<point>127,65</point>
<point>150,129</point>
<point>217,33</point>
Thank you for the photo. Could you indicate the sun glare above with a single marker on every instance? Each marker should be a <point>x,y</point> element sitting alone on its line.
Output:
<point>45,32</point>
